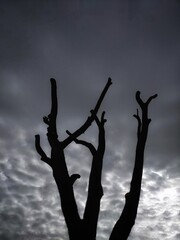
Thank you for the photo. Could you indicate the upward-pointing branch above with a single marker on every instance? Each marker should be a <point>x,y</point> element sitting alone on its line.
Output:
<point>50,120</point>
<point>53,113</point>
<point>41,151</point>
<point>126,221</point>
<point>95,190</point>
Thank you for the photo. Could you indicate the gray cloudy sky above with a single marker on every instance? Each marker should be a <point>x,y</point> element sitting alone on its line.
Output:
<point>81,43</point>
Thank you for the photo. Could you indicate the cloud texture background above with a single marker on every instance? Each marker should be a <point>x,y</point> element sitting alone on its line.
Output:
<point>81,44</point>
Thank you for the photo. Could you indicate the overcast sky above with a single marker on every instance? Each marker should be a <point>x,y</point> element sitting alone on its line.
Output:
<point>81,43</point>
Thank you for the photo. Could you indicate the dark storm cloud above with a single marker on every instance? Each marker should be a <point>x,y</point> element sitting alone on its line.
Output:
<point>81,44</point>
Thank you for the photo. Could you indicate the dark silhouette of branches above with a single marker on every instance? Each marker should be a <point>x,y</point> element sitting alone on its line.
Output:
<point>126,221</point>
<point>85,228</point>
<point>95,190</point>
<point>77,227</point>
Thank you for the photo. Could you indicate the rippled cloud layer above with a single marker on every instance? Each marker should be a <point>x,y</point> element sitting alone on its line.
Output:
<point>81,44</point>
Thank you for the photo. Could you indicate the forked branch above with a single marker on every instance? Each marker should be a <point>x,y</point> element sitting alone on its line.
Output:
<point>57,161</point>
<point>126,220</point>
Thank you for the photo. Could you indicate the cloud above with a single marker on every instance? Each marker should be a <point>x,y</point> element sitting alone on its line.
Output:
<point>81,44</point>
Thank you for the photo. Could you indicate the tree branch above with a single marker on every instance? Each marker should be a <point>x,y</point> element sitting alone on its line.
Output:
<point>138,99</point>
<point>95,190</point>
<point>50,120</point>
<point>43,155</point>
<point>84,143</point>
<point>53,115</point>
<point>150,99</point>
<point>100,123</point>
<point>126,220</point>
<point>90,119</point>
<point>139,123</point>
<point>74,177</point>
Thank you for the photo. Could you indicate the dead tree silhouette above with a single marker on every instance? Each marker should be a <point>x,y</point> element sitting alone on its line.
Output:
<point>127,218</point>
<point>86,227</point>
<point>77,228</point>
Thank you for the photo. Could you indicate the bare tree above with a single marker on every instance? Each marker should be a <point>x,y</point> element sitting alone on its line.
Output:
<point>127,218</point>
<point>77,227</point>
<point>85,228</point>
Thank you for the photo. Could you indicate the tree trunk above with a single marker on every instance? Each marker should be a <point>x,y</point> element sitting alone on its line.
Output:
<point>77,228</point>
<point>126,221</point>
